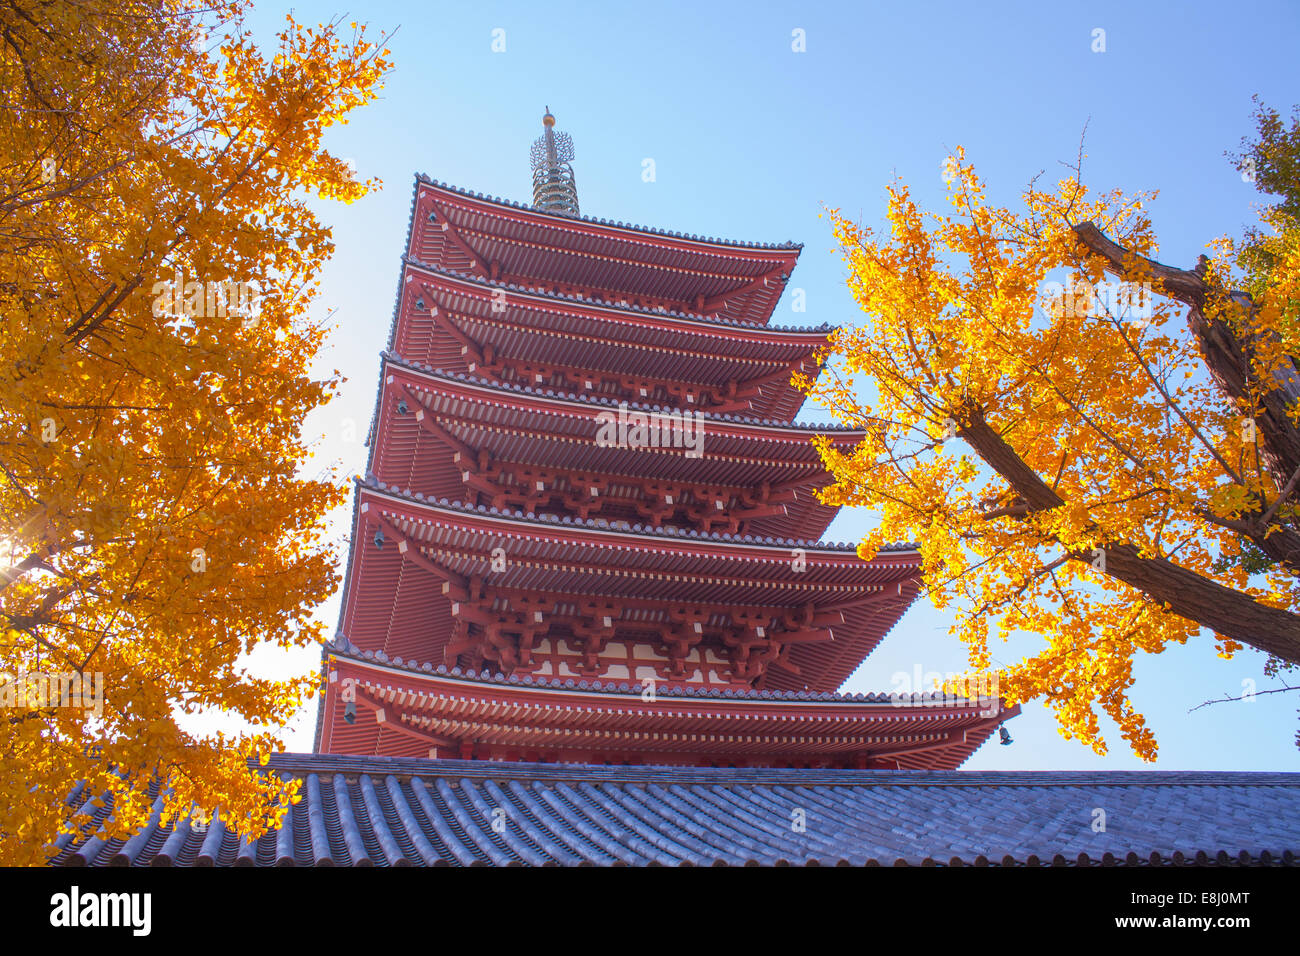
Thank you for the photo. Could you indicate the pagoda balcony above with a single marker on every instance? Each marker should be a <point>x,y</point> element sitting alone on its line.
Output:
<point>476,587</point>
<point>528,336</point>
<point>402,708</point>
<point>470,233</point>
<point>456,437</point>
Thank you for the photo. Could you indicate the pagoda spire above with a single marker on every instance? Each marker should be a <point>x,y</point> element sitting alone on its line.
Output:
<point>554,189</point>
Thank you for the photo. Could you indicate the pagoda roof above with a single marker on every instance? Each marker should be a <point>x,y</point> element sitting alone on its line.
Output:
<point>536,326</point>
<point>394,598</point>
<point>705,323</point>
<point>524,428</point>
<point>667,688</point>
<point>743,546</point>
<point>394,811</point>
<point>777,428</point>
<point>412,710</point>
<point>585,407</point>
<point>493,236</point>
<point>560,220</point>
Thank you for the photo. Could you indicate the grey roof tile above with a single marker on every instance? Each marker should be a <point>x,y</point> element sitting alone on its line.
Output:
<point>378,811</point>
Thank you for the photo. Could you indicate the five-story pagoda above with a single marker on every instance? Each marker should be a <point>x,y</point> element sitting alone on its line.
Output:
<point>588,532</point>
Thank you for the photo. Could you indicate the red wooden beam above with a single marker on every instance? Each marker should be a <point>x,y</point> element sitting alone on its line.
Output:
<point>445,225</point>
<point>413,553</point>
<point>429,425</point>
<point>749,386</point>
<point>720,300</point>
<point>381,709</point>
<point>443,319</point>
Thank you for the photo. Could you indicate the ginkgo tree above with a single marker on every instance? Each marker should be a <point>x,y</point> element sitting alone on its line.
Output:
<point>158,261</point>
<point>1087,445</point>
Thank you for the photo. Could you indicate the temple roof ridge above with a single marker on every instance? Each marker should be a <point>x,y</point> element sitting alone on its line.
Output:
<point>782,776</point>
<point>616,306</point>
<point>608,223</point>
<point>811,428</point>
<point>593,524</point>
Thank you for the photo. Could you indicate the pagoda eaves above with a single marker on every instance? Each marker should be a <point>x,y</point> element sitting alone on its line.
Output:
<point>474,441</point>
<point>442,580</point>
<point>406,709</point>
<point>471,233</point>
<point>463,323</point>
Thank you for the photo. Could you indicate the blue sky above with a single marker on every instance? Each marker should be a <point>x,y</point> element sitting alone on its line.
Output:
<point>750,138</point>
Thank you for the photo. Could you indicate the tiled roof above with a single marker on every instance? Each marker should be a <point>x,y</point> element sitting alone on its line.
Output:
<point>809,428</point>
<point>564,219</point>
<point>343,647</point>
<point>621,527</point>
<point>378,811</point>
<point>714,320</point>
<point>615,306</point>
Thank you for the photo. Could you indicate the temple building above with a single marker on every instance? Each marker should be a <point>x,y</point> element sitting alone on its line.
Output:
<point>588,616</point>
<point>589,531</point>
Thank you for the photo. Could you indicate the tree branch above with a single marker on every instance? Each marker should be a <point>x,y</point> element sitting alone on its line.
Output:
<point>1227,612</point>
<point>1226,700</point>
<point>1230,359</point>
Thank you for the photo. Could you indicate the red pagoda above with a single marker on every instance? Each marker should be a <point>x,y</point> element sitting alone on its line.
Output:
<point>588,532</point>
